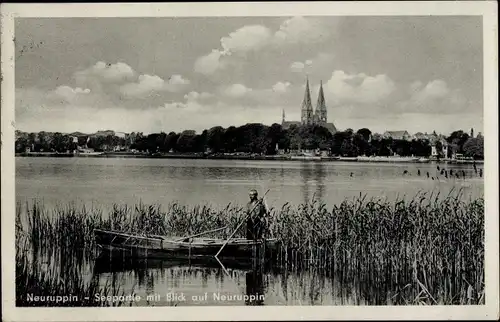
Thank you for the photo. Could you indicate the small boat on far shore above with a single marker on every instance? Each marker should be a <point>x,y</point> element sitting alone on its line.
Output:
<point>350,159</point>
<point>424,160</point>
<point>88,154</point>
<point>306,157</point>
<point>461,159</point>
<point>387,159</point>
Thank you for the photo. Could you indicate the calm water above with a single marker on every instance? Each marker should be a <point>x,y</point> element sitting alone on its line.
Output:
<point>161,285</point>
<point>105,181</point>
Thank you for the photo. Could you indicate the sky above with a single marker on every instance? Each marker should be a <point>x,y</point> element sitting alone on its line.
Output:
<point>419,74</point>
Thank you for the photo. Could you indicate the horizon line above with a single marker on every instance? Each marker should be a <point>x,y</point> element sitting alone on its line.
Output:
<point>206,129</point>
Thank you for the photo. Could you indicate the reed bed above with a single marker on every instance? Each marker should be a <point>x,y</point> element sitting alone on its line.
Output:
<point>428,249</point>
<point>58,279</point>
<point>53,251</point>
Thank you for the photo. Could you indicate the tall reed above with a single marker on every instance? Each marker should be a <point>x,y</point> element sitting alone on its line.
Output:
<point>428,249</point>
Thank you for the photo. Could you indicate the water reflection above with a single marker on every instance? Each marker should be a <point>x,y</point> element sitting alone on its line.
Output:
<point>319,171</point>
<point>161,282</point>
<point>313,176</point>
<point>207,284</point>
<point>306,173</point>
<point>254,287</point>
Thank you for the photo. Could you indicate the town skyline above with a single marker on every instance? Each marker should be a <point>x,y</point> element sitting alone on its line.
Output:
<point>420,74</point>
<point>122,133</point>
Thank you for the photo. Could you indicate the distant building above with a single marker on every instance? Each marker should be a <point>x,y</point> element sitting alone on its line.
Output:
<point>104,133</point>
<point>397,135</point>
<point>121,135</point>
<point>287,124</point>
<point>310,116</point>
<point>420,136</point>
<point>435,150</point>
<point>78,134</point>
<point>131,138</point>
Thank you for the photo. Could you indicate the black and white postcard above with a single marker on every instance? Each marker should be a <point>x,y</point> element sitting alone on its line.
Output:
<point>191,161</point>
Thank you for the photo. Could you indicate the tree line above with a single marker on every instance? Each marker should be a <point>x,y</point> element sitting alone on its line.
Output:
<point>255,138</point>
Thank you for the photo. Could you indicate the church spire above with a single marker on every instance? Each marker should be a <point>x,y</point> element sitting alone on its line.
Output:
<point>321,105</point>
<point>283,117</point>
<point>307,109</point>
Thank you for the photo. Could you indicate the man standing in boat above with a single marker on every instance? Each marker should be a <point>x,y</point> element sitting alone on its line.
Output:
<point>256,212</point>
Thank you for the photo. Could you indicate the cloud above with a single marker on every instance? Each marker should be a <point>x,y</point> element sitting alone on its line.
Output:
<point>108,79</point>
<point>281,87</point>
<point>200,116</point>
<point>209,63</point>
<point>319,63</point>
<point>106,72</point>
<point>295,30</point>
<point>177,80</point>
<point>435,97</point>
<point>104,77</point>
<point>359,88</point>
<point>301,30</point>
<point>435,89</point>
<point>186,106</point>
<point>193,96</point>
<point>63,109</point>
<point>149,84</point>
<point>246,38</point>
<point>193,101</point>
<point>320,60</point>
<point>235,90</point>
<point>146,85</point>
<point>237,95</point>
<point>35,113</point>
<point>68,93</point>
<point>297,67</point>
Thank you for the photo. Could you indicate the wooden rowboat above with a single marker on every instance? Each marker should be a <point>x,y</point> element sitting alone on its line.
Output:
<point>171,247</point>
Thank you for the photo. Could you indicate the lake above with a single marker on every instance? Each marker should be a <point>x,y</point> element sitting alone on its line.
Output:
<point>103,182</point>
<point>106,181</point>
<point>201,286</point>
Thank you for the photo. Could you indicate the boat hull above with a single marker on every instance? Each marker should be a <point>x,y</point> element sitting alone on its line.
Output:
<point>161,247</point>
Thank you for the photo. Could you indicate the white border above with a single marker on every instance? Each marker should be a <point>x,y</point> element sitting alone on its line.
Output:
<point>487,9</point>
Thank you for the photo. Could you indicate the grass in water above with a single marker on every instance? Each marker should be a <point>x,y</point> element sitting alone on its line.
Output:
<point>428,249</point>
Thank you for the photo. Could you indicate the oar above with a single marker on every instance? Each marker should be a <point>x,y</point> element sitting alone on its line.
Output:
<point>203,233</point>
<point>241,223</point>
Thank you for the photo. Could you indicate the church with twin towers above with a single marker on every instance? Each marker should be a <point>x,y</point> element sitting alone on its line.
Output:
<point>310,117</point>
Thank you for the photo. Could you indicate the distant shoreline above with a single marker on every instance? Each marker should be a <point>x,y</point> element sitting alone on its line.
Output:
<point>244,157</point>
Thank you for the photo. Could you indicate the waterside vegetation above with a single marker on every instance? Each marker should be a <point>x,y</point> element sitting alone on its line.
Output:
<point>258,139</point>
<point>428,249</point>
